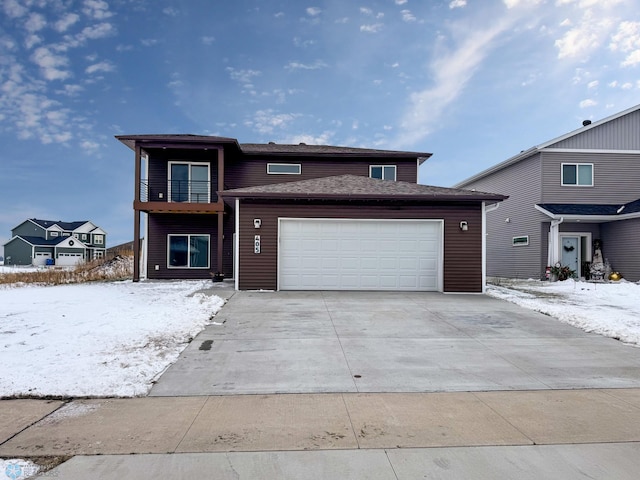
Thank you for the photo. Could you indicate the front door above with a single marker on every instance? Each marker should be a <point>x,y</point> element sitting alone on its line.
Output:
<point>570,253</point>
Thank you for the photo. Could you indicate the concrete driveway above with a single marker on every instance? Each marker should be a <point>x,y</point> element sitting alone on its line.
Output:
<point>329,342</point>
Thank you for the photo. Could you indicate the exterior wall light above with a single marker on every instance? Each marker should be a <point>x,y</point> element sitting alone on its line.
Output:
<point>464,226</point>
<point>257,222</point>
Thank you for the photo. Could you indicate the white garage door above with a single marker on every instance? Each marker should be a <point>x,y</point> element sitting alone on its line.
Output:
<point>41,258</point>
<point>350,254</point>
<point>68,259</point>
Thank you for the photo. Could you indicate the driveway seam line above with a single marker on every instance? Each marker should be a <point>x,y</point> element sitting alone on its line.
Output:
<point>346,360</point>
<point>186,432</point>
<point>346,408</point>
<point>533,442</point>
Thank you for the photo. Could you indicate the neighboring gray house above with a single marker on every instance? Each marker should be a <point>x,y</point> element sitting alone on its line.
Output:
<point>563,195</point>
<point>42,242</point>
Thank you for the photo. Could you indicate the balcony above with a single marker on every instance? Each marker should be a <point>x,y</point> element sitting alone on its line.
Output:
<point>179,196</point>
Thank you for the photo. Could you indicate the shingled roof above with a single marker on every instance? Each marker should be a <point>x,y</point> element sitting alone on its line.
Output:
<point>591,209</point>
<point>359,187</point>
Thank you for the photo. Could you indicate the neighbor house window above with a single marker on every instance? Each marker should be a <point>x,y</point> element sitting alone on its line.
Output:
<point>84,236</point>
<point>383,172</point>
<point>579,174</point>
<point>189,182</point>
<point>53,234</point>
<point>188,251</point>
<point>284,168</point>
<point>520,241</point>
<point>97,239</point>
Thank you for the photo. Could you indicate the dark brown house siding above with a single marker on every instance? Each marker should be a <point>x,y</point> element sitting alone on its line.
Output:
<point>462,250</point>
<point>250,172</point>
<point>161,225</point>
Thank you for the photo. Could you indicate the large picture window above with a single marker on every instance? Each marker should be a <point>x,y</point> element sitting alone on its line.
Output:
<point>383,172</point>
<point>577,174</point>
<point>189,182</point>
<point>188,251</point>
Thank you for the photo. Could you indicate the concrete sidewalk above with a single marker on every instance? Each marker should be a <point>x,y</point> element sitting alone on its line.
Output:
<point>317,422</point>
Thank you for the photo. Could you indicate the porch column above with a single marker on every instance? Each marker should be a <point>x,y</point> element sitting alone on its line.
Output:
<point>554,241</point>
<point>136,217</point>
<point>220,250</point>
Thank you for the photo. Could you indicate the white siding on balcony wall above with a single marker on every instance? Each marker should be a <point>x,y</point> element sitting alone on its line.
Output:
<point>522,183</point>
<point>616,178</point>
<point>618,134</point>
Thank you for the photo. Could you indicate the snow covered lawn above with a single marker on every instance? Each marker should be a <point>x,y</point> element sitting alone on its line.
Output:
<point>96,339</point>
<point>609,309</point>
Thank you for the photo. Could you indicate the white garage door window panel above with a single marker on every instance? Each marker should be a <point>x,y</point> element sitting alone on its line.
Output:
<point>356,254</point>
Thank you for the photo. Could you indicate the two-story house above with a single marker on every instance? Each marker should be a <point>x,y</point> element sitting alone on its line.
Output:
<point>311,217</point>
<point>41,242</point>
<point>563,196</point>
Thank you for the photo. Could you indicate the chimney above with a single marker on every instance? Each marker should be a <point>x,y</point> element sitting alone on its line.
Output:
<point>586,122</point>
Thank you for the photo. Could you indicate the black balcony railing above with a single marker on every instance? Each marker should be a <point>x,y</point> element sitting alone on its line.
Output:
<point>180,191</point>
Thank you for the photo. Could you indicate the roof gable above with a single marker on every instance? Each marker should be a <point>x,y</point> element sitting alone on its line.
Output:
<point>359,187</point>
<point>596,135</point>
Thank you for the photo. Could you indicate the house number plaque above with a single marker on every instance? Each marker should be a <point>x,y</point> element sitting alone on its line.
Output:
<point>256,244</point>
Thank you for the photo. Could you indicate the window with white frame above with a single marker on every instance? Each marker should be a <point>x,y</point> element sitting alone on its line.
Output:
<point>522,241</point>
<point>577,174</point>
<point>284,168</point>
<point>383,172</point>
<point>188,251</point>
<point>84,236</point>
<point>98,239</point>
<point>53,234</point>
<point>189,182</point>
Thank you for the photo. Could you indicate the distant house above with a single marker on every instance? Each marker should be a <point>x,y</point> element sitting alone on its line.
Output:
<point>301,217</point>
<point>42,242</point>
<point>563,196</point>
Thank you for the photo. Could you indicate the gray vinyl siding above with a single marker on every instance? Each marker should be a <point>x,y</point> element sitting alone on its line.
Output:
<point>521,182</point>
<point>29,229</point>
<point>17,252</point>
<point>620,247</point>
<point>618,134</point>
<point>616,178</point>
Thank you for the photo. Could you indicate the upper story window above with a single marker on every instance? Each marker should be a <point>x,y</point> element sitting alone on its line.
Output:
<point>383,172</point>
<point>53,234</point>
<point>189,182</point>
<point>577,174</point>
<point>284,168</point>
<point>98,239</point>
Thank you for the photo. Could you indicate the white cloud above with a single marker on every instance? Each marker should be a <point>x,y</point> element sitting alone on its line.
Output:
<point>522,3</point>
<point>366,11</point>
<point>13,8</point>
<point>35,22</point>
<point>100,67</point>
<point>400,2</point>
<point>374,28</point>
<point>65,22</point>
<point>407,16</point>
<point>323,139</point>
<point>31,40</point>
<point>267,121</point>
<point>626,86</point>
<point>149,42</point>
<point>313,11</point>
<point>172,12</point>
<point>89,146</point>
<point>96,9</point>
<point>593,84</point>
<point>457,4</point>
<point>100,30</point>
<point>317,65</point>
<point>588,103</point>
<point>451,73</point>
<point>70,90</point>
<point>627,40</point>
<point>208,40</point>
<point>51,64</point>
<point>243,76</point>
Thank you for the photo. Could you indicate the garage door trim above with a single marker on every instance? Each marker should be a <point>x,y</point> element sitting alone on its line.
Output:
<point>440,238</point>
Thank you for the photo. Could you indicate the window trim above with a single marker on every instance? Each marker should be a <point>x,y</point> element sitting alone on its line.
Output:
<point>188,235</point>
<point>187,162</point>
<point>98,239</point>
<point>395,171</point>
<point>54,234</point>
<point>576,165</point>
<point>520,244</point>
<point>299,165</point>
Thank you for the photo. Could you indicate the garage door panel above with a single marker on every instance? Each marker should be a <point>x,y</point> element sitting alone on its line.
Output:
<point>359,254</point>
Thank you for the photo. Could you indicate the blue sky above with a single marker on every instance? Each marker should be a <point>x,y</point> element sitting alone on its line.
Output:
<point>474,82</point>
